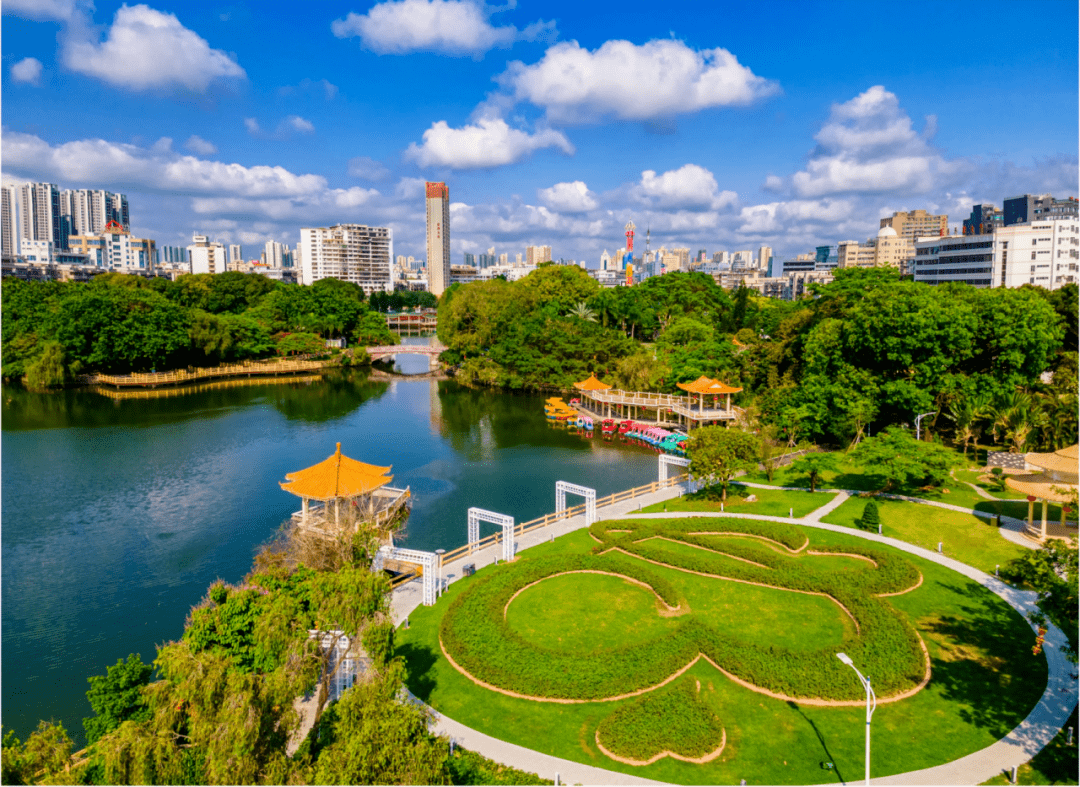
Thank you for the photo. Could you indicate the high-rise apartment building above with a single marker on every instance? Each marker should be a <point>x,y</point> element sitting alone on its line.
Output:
<point>438,237</point>
<point>236,253</point>
<point>9,221</point>
<point>914,224</point>
<point>888,248</point>
<point>277,255</point>
<point>764,254</point>
<point>89,211</point>
<point>207,256</point>
<point>983,220</point>
<point>39,214</point>
<point>350,252</point>
<point>534,255</point>
<point>172,255</point>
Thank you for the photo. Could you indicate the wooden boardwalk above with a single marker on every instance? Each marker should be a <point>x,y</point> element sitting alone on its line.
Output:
<point>190,375</point>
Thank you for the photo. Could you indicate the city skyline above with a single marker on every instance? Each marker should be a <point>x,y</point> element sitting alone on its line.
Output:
<point>764,130</point>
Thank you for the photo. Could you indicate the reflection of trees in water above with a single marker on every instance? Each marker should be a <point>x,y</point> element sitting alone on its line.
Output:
<point>337,395</point>
<point>475,421</point>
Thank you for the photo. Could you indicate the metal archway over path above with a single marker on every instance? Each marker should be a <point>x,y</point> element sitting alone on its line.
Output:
<point>428,561</point>
<point>478,515</point>
<point>666,462</point>
<point>562,487</point>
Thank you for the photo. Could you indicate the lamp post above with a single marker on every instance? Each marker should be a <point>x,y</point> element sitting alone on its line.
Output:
<point>918,423</point>
<point>871,705</point>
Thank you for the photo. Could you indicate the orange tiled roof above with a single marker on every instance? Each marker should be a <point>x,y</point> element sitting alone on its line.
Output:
<point>1063,461</point>
<point>592,384</point>
<point>1040,486</point>
<point>337,476</point>
<point>706,385</point>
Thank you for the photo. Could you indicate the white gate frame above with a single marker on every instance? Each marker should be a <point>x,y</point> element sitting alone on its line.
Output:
<point>478,515</point>
<point>667,460</point>
<point>429,561</point>
<point>562,487</point>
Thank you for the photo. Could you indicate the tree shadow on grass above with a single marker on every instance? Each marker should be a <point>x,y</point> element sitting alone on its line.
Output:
<point>985,664</point>
<point>419,659</point>
<point>821,739</point>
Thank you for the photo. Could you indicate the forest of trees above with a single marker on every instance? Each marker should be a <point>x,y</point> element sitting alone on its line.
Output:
<point>869,351</point>
<point>118,323</point>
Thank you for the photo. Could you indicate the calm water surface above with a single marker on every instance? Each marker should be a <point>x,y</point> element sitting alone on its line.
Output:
<point>118,513</point>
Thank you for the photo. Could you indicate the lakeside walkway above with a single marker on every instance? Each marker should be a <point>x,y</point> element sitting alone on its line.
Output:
<point>1016,748</point>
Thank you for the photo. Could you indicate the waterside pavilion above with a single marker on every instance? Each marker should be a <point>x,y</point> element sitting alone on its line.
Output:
<point>1058,482</point>
<point>636,405</point>
<point>350,493</point>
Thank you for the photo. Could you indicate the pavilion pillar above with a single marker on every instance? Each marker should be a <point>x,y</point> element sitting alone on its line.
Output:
<point>1031,514</point>
<point>304,512</point>
<point>337,512</point>
<point>1044,517</point>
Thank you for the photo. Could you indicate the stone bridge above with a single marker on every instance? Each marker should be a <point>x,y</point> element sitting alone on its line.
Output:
<point>384,351</point>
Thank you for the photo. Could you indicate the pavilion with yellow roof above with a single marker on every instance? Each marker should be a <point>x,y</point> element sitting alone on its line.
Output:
<point>360,488</point>
<point>1058,482</point>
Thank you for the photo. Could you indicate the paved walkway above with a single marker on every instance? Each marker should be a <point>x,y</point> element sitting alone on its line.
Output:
<point>1016,748</point>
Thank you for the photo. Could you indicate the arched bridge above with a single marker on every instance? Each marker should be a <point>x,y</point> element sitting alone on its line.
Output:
<point>383,351</point>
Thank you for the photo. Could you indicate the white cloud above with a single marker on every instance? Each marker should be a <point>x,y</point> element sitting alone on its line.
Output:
<point>367,168</point>
<point>488,143</point>
<point>689,187</point>
<point>96,161</point>
<point>51,10</point>
<point>778,216</point>
<point>869,145</point>
<point>146,49</point>
<point>629,82</point>
<point>452,27</point>
<point>252,125</point>
<point>298,123</point>
<point>306,85</point>
<point>27,70</point>
<point>569,197</point>
<point>197,144</point>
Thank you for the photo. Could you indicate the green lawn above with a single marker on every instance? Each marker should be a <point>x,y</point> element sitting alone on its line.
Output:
<point>1056,764</point>
<point>770,502</point>
<point>985,681</point>
<point>965,537</point>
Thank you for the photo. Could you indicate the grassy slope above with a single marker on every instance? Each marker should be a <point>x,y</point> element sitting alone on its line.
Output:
<point>770,502</point>
<point>965,537</point>
<point>976,697</point>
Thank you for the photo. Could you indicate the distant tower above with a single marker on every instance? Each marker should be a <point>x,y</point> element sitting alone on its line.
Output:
<point>438,237</point>
<point>630,238</point>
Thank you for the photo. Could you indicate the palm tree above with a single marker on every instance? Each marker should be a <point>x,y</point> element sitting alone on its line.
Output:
<point>583,312</point>
<point>964,414</point>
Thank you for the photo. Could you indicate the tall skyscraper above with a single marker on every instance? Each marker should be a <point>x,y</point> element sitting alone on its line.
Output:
<point>438,237</point>
<point>9,221</point>
<point>236,253</point>
<point>39,214</point>
<point>89,211</point>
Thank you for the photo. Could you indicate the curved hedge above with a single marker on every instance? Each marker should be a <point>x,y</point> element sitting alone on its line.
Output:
<point>672,719</point>
<point>475,633</point>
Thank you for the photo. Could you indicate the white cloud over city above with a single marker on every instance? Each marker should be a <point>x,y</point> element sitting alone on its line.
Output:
<point>451,27</point>
<point>490,142</point>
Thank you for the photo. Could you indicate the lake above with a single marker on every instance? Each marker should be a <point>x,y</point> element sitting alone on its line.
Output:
<point>118,513</point>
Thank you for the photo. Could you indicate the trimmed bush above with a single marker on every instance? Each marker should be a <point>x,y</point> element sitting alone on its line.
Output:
<point>475,633</point>
<point>670,719</point>
<point>870,516</point>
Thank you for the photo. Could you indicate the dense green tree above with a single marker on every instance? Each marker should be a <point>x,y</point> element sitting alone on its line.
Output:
<point>717,454</point>
<point>813,465</point>
<point>903,461</point>
<point>117,696</point>
<point>42,759</point>
<point>561,286</point>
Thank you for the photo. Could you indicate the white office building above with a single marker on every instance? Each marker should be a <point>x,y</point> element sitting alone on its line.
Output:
<point>9,221</point>
<point>1043,253</point>
<point>350,252</point>
<point>206,256</point>
<point>236,253</point>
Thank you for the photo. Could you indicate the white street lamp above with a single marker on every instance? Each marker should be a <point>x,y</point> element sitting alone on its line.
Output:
<point>918,423</point>
<point>870,708</point>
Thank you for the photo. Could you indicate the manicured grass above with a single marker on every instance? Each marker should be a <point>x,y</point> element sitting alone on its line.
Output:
<point>770,502</point>
<point>985,681</point>
<point>1056,764</point>
<point>965,537</point>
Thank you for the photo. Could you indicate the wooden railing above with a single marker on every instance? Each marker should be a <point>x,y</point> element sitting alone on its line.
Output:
<point>697,414</point>
<point>549,519</point>
<point>248,368</point>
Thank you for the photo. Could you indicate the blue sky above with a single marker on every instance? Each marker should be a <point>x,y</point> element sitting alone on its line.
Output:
<point>719,125</point>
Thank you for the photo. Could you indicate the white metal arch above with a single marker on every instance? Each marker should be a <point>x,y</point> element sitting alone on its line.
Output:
<point>667,461</point>
<point>428,561</point>
<point>478,515</point>
<point>562,487</point>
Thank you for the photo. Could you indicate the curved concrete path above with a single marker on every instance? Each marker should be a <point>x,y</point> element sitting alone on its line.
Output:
<point>1016,748</point>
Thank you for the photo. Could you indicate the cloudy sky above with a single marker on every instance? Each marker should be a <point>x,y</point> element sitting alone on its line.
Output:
<point>718,126</point>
